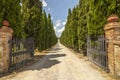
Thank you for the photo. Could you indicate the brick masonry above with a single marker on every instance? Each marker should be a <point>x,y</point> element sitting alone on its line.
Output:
<point>112,34</point>
<point>5,36</point>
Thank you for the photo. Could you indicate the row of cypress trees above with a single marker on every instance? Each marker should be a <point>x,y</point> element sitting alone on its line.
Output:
<point>28,19</point>
<point>87,18</point>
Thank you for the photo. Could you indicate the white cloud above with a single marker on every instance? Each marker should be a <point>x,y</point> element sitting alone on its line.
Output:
<point>44,3</point>
<point>59,27</point>
<point>63,23</point>
<point>61,30</point>
<point>58,23</point>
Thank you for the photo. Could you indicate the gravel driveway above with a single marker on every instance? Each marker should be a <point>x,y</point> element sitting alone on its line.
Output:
<point>59,64</point>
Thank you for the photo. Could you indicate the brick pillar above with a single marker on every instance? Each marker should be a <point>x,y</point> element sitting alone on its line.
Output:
<point>112,30</point>
<point>5,36</point>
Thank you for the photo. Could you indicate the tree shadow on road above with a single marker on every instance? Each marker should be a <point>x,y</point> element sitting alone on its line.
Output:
<point>55,50</point>
<point>43,61</point>
<point>46,62</point>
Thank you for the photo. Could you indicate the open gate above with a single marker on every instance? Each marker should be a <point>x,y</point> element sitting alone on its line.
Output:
<point>21,51</point>
<point>96,51</point>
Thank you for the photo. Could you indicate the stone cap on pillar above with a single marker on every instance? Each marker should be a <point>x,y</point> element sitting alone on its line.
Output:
<point>112,18</point>
<point>112,25</point>
<point>112,22</point>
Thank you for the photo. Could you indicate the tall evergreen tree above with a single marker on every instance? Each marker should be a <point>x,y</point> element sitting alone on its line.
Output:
<point>87,18</point>
<point>27,19</point>
<point>32,14</point>
<point>11,10</point>
<point>51,37</point>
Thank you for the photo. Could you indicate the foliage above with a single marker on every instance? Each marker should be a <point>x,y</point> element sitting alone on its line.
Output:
<point>27,19</point>
<point>87,18</point>
<point>38,24</point>
<point>11,10</point>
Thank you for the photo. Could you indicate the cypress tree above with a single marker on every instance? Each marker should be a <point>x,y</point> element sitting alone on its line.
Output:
<point>27,19</point>
<point>32,14</point>
<point>11,10</point>
<point>87,18</point>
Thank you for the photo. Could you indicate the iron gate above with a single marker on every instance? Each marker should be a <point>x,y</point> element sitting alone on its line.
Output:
<point>21,51</point>
<point>96,51</point>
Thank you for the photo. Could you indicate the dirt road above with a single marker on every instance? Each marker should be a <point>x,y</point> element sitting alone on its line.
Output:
<point>59,64</point>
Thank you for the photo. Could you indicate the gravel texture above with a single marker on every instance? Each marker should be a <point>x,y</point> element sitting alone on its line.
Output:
<point>59,64</point>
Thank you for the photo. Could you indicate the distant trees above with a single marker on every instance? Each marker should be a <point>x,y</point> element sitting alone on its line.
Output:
<point>28,19</point>
<point>38,24</point>
<point>87,18</point>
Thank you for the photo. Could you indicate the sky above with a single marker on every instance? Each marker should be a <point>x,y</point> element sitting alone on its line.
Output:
<point>59,11</point>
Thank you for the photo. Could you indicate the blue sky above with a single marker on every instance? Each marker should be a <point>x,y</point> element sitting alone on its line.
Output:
<point>59,11</point>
